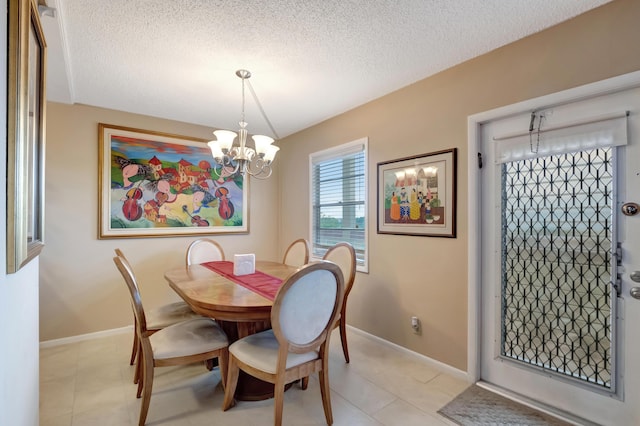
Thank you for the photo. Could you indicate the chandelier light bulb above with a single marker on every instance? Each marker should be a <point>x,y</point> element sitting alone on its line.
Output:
<point>262,143</point>
<point>216,151</point>
<point>225,139</point>
<point>270,154</point>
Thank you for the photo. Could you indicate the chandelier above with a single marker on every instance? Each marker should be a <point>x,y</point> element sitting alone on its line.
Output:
<point>242,159</point>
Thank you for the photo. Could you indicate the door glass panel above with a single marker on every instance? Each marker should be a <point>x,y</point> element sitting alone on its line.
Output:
<point>556,264</point>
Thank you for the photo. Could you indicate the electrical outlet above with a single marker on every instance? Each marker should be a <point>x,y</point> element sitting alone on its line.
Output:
<point>415,324</point>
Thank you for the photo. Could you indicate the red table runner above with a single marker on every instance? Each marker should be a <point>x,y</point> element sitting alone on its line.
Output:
<point>264,284</point>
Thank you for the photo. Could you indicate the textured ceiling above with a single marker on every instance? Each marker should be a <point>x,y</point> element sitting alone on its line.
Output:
<point>310,59</point>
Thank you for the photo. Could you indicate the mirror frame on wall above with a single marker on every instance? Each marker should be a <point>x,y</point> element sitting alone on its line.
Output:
<point>25,134</point>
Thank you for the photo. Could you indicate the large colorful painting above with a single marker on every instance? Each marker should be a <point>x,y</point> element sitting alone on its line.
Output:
<point>155,184</point>
<point>417,195</point>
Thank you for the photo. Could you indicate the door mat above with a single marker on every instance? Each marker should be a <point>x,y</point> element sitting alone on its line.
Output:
<point>478,406</point>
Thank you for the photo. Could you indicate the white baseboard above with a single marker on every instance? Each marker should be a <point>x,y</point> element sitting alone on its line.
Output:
<point>83,337</point>
<point>445,368</point>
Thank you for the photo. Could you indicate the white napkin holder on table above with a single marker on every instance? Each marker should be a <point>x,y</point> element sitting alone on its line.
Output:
<point>244,264</point>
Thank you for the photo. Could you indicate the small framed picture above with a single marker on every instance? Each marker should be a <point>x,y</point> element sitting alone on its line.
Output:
<point>417,195</point>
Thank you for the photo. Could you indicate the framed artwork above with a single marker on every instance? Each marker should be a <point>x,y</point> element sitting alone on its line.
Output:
<point>154,184</point>
<point>417,195</point>
<point>25,134</point>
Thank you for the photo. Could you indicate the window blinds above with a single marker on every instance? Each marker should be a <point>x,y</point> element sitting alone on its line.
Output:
<point>338,199</point>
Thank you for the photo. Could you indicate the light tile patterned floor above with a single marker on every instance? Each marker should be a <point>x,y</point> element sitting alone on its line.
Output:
<point>90,383</point>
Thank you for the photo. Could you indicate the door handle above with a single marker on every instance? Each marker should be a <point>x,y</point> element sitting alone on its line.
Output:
<point>635,291</point>
<point>630,209</point>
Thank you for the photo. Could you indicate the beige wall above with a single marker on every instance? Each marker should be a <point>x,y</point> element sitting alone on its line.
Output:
<point>424,276</point>
<point>81,291</point>
<point>19,373</point>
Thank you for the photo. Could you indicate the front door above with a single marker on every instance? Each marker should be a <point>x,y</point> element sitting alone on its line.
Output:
<point>559,323</point>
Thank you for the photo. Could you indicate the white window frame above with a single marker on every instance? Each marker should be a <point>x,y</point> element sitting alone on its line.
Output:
<point>331,154</point>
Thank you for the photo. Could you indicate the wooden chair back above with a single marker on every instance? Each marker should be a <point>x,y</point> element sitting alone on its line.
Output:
<point>344,255</point>
<point>136,301</point>
<point>297,253</point>
<point>302,318</point>
<point>204,250</point>
<point>306,307</point>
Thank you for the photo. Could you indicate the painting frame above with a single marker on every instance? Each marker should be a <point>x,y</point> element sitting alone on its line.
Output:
<point>155,184</point>
<point>26,101</point>
<point>417,195</point>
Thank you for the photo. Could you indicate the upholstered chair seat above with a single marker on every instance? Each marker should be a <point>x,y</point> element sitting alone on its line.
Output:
<point>261,351</point>
<point>169,314</point>
<point>186,338</point>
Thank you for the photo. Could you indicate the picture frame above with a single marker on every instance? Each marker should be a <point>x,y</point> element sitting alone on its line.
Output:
<point>417,195</point>
<point>25,134</point>
<point>154,184</point>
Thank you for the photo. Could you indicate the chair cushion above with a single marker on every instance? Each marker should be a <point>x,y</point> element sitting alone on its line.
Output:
<point>260,350</point>
<point>169,314</point>
<point>307,306</point>
<point>188,338</point>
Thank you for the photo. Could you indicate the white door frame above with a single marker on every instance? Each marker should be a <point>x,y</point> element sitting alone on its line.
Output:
<point>474,300</point>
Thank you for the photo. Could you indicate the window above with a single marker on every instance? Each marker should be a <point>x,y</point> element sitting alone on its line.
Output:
<point>339,199</point>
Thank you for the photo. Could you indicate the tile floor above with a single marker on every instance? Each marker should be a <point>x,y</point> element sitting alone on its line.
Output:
<point>90,383</point>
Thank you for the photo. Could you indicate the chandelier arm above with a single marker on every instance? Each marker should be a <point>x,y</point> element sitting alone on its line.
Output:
<point>261,173</point>
<point>236,168</point>
<point>226,162</point>
<point>259,168</point>
<point>264,115</point>
<point>262,164</point>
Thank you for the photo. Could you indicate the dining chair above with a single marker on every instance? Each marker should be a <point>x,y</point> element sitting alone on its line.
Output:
<point>297,253</point>
<point>302,317</point>
<point>157,319</point>
<point>186,342</point>
<point>344,255</point>
<point>204,250</point>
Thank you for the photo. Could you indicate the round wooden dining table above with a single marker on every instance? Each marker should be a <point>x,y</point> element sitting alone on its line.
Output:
<point>238,310</point>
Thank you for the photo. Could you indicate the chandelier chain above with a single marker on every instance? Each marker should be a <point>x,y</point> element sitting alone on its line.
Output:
<point>264,115</point>
<point>242,115</point>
